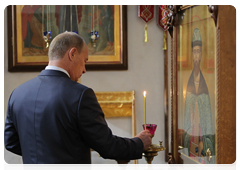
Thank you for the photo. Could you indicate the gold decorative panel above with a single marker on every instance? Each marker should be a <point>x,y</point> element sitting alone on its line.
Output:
<point>116,104</point>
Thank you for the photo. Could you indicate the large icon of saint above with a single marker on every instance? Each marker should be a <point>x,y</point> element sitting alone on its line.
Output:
<point>198,137</point>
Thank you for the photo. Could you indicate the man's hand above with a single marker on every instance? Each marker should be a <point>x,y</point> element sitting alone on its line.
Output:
<point>145,136</point>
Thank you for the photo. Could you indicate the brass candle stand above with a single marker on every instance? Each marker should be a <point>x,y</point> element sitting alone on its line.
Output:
<point>154,148</point>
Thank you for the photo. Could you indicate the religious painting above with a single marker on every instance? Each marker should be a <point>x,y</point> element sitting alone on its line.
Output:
<point>196,85</point>
<point>103,28</point>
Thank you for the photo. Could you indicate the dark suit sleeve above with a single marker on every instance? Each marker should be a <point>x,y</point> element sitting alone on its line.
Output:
<point>11,138</point>
<point>98,136</point>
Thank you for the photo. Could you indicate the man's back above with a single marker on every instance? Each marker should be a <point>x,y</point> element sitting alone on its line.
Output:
<point>57,120</point>
<point>44,114</point>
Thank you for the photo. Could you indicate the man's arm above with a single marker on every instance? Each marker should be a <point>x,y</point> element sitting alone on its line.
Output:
<point>11,138</point>
<point>96,133</point>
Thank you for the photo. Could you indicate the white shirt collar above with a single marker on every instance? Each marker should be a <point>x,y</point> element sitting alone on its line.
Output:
<point>57,68</point>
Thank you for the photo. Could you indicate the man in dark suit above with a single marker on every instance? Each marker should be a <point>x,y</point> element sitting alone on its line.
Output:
<point>54,119</point>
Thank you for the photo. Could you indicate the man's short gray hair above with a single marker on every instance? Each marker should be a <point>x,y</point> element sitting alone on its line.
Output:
<point>62,43</point>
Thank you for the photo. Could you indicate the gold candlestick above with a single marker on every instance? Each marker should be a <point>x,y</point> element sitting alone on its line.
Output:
<point>153,151</point>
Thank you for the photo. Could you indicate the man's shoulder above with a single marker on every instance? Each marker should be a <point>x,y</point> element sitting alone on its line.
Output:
<point>28,83</point>
<point>57,83</point>
<point>79,85</point>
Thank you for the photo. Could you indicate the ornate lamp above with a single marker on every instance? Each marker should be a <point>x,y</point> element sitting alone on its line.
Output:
<point>47,37</point>
<point>94,37</point>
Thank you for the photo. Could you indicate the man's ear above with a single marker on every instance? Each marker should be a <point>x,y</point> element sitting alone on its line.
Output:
<point>72,53</point>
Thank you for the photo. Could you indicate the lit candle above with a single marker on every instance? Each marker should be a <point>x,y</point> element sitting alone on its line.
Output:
<point>144,94</point>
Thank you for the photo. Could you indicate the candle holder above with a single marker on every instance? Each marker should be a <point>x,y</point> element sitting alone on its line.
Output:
<point>154,148</point>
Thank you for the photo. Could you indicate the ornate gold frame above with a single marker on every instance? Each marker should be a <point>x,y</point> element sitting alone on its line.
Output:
<point>19,63</point>
<point>224,17</point>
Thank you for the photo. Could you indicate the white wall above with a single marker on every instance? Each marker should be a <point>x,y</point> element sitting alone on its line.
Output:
<point>145,72</point>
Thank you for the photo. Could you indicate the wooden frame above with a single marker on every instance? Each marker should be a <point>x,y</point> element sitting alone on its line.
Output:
<point>224,19</point>
<point>166,98</point>
<point>26,55</point>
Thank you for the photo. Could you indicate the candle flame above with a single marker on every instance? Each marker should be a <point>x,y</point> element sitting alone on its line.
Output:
<point>144,93</point>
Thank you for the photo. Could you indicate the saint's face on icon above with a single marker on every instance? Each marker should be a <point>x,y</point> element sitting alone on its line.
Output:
<point>197,55</point>
<point>196,49</point>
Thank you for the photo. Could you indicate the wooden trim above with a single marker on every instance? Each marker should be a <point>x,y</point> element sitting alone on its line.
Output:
<point>227,85</point>
<point>166,97</point>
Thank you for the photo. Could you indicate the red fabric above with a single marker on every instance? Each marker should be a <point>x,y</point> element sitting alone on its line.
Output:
<point>162,16</point>
<point>27,14</point>
<point>79,8</point>
<point>146,12</point>
<point>57,10</point>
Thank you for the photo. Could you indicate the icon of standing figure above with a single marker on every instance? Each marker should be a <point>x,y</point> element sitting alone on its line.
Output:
<point>198,132</point>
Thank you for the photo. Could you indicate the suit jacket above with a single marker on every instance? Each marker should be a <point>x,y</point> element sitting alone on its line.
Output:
<point>52,119</point>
